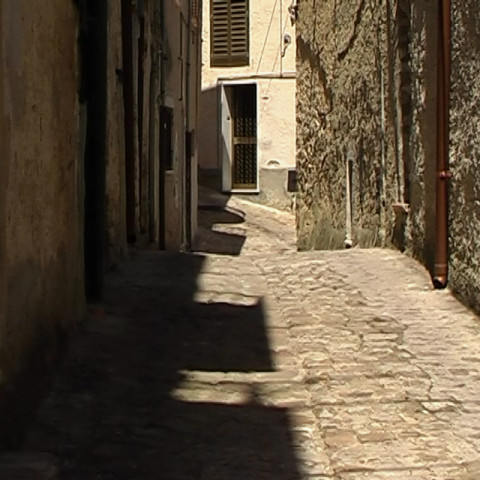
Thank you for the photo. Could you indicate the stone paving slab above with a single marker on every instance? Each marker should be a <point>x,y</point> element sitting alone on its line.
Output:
<point>265,363</point>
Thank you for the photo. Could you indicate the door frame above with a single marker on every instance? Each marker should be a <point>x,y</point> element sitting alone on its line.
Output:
<point>225,135</point>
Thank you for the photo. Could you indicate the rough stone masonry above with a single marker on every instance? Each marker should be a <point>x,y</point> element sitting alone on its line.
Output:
<point>366,112</point>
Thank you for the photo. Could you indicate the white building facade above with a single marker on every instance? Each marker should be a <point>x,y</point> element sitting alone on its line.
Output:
<point>247,107</point>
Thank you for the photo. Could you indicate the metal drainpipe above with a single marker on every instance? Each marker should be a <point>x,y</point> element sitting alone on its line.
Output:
<point>127,51</point>
<point>187,136</point>
<point>440,271</point>
<point>152,131</point>
<point>161,160</point>
<point>349,199</point>
<point>281,37</point>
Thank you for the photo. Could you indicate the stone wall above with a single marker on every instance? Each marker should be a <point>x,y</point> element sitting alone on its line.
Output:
<point>465,152</point>
<point>344,116</point>
<point>367,93</point>
<point>41,202</point>
<point>366,105</point>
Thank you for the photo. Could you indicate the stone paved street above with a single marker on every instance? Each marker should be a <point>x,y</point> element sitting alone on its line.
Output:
<point>249,360</point>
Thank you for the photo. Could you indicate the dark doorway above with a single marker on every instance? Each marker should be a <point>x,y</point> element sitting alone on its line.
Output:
<point>166,163</point>
<point>94,93</point>
<point>244,167</point>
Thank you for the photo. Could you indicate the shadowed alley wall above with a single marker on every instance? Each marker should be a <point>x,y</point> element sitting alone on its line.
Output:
<point>81,87</point>
<point>115,139</point>
<point>41,191</point>
<point>180,85</point>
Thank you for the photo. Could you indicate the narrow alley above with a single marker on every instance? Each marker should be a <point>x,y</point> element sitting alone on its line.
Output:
<point>239,240</point>
<point>249,360</point>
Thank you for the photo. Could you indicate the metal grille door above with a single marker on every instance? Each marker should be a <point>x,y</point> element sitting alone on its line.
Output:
<point>244,172</point>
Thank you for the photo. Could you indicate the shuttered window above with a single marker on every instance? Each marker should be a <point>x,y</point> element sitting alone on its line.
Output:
<point>229,33</point>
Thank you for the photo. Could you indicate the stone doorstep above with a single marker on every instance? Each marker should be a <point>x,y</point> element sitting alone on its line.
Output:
<point>28,466</point>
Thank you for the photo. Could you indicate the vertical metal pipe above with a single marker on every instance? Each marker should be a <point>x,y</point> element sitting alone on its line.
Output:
<point>349,199</point>
<point>440,271</point>
<point>141,112</point>
<point>188,136</point>
<point>383,149</point>
<point>161,155</point>
<point>127,51</point>
<point>152,131</point>
<point>281,37</point>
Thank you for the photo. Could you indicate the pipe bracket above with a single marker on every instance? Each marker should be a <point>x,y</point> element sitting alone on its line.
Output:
<point>445,175</point>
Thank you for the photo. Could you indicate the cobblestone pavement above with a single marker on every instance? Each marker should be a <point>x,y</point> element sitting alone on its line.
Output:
<point>254,361</point>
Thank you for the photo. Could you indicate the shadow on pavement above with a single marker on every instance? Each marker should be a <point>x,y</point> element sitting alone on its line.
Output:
<point>211,239</point>
<point>130,404</point>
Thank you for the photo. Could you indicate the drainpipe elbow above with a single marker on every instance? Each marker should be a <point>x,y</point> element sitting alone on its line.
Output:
<point>440,281</point>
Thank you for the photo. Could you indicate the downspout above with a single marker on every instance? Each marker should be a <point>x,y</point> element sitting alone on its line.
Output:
<point>163,52</point>
<point>127,52</point>
<point>188,137</point>
<point>281,37</point>
<point>349,199</point>
<point>440,271</point>
<point>152,130</point>
<point>141,111</point>
<point>161,164</point>
<point>383,153</point>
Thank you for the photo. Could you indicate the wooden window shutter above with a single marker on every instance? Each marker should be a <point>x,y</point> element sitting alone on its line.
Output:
<point>229,44</point>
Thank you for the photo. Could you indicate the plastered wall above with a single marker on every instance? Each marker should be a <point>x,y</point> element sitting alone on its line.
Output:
<point>181,70</point>
<point>41,185</point>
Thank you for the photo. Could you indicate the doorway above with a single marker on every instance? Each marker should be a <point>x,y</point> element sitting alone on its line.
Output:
<point>166,163</point>
<point>238,137</point>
